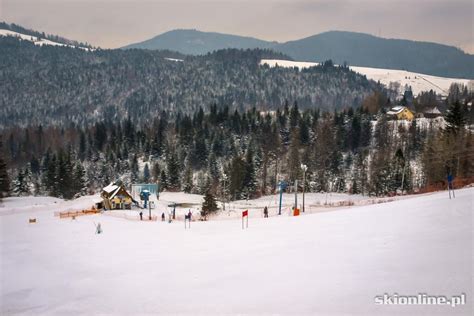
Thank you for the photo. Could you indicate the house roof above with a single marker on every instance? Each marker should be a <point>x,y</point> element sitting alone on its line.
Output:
<point>110,188</point>
<point>433,111</point>
<point>396,110</point>
<point>120,189</point>
<point>115,193</point>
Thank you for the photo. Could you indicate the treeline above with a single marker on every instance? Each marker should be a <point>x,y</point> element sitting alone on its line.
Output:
<point>58,85</point>
<point>244,154</point>
<point>55,38</point>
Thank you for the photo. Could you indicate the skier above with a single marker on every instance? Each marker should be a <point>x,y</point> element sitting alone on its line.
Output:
<point>265,211</point>
<point>98,229</point>
<point>450,185</point>
<point>189,215</point>
<point>141,215</point>
<point>163,216</point>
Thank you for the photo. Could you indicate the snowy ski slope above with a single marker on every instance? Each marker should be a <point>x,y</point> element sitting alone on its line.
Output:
<point>330,263</point>
<point>418,82</point>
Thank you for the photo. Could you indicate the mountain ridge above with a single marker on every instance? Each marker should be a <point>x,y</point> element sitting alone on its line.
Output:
<point>199,42</point>
<point>354,48</point>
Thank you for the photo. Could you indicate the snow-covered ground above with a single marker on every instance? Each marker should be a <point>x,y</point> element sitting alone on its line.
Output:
<point>36,40</point>
<point>418,82</point>
<point>324,263</point>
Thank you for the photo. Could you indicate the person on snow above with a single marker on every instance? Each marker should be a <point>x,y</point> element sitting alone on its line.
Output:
<point>163,216</point>
<point>265,211</point>
<point>98,229</point>
<point>141,215</point>
<point>189,215</point>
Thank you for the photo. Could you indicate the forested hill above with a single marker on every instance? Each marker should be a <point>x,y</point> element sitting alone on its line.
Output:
<point>194,42</point>
<point>42,35</point>
<point>355,49</point>
<point>53,85</point>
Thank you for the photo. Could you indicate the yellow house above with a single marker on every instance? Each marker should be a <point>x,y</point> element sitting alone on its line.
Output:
<point>116,197</point>
<point>401,113</point>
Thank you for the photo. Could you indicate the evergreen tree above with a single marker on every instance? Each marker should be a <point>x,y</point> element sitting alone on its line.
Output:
<point>172,172</point>
<point>237,176</point>
<point>80,183</point>
<point>187,182</point>
<point>4,178</point>
<point>294,165</point>
<point>146,174</point>
<point>65,176</point>
<point>134,169</point>
<point>21,185</point>
<point>163,181</point>
<point>209,206</point>
<point>213,173</point>
<point>156,172</point>
<point>50,179</point>
<point>455,119</point>
<point>199,152</point>
<point>249,180</point>
<point>82,145</point>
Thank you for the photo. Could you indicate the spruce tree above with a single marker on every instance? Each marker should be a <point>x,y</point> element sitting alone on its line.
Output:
<point>163,181</point>
<point>249,181</point>
<point>134,169</point>
<point>187,181</point>
<point>213,173</point>
<point>21,185</point>
<point>156,172</point>
<point>455,118</point>
<point>172,171</point>
<point>294,165</point>
<point>80,183</point>
<point>237,175</point>
<point>209,206</point>
<point>146,174</point>
<point>4,178</point>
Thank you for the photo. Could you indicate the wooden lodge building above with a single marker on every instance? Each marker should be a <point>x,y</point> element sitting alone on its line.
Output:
<point>116,197</point>
<point>401,113</point>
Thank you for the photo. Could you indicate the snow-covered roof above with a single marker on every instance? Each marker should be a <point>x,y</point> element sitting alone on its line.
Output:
<point>396,110</point>
<point>110,188</point>
<point>433,111</point>
<point>114,193</point>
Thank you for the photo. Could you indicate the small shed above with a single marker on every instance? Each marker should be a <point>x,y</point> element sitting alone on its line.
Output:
<point>401,113</point>
<point>116,197</point>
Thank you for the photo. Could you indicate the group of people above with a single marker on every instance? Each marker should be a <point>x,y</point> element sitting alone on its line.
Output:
<point>163,217</point>
<point>187,216</point>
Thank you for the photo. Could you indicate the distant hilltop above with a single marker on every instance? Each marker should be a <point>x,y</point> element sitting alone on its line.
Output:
<point>355,49</point>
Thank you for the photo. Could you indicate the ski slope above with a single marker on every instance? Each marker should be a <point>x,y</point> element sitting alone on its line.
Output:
<point>325,263</point>
<point>35,40</point>
<point>418,82</point>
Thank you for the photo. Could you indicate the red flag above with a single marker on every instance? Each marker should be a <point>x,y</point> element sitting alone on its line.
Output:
<point>245,213</point>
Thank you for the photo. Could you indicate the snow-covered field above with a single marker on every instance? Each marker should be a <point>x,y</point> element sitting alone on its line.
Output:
<point>418,82</point>
<point>320,263</point>
<point>36,40</point>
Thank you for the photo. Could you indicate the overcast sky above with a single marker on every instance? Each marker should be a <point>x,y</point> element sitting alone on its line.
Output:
<point>115,23</point>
